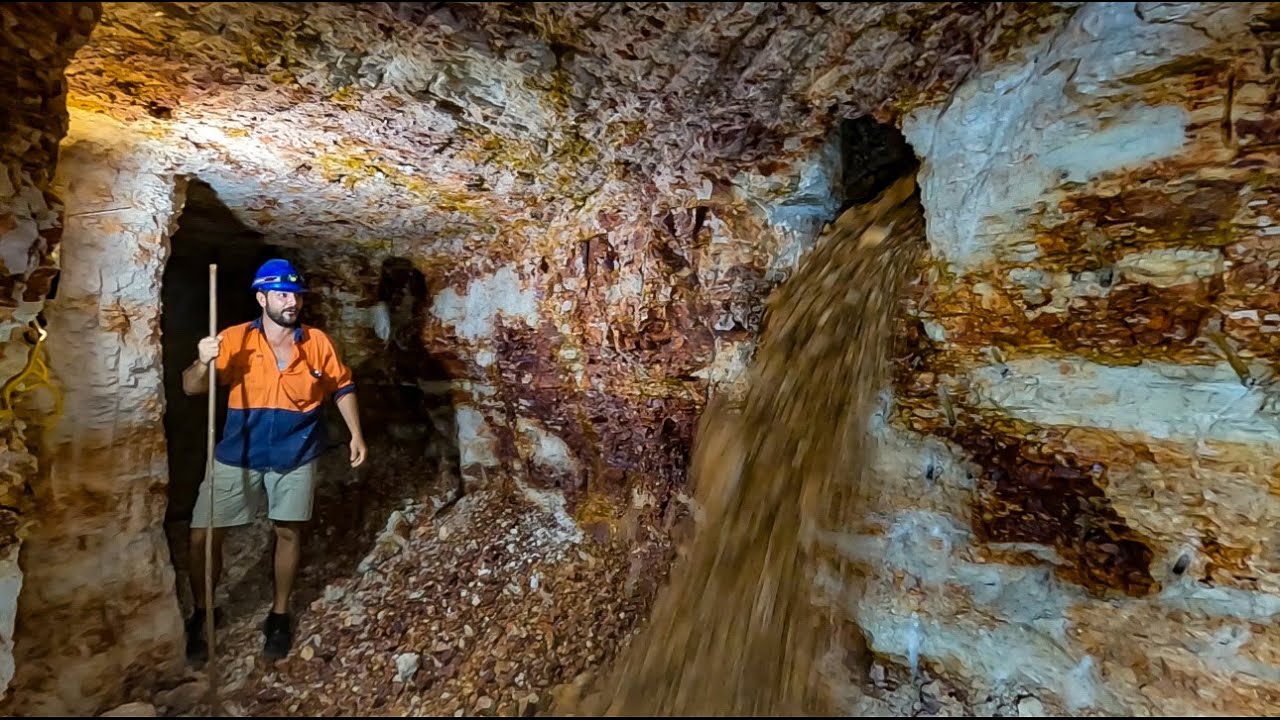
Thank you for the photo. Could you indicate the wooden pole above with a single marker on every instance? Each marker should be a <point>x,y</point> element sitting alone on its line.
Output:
<point>215,705</point>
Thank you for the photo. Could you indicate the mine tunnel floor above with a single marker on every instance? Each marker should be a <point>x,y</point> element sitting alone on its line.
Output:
<point>503,602</point>
<point>509,609</point>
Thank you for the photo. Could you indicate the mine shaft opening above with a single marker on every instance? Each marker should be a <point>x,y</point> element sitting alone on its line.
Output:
<point>207,233</point>
<point>404,393</point>
<point>872,155</point>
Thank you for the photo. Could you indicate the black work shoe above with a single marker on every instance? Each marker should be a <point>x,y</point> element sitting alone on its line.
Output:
<point>197,645</point>
<point>278,632</point>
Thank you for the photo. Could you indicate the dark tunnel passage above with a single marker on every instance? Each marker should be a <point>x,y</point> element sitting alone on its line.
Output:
<point>409,387</point>
<point>207,233</point>
<point>405,398</point>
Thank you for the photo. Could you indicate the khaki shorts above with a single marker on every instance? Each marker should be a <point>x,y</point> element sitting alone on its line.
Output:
<point>237,495</point>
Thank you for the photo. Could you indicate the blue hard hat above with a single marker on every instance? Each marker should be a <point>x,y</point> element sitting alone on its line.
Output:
<point>279,275</point>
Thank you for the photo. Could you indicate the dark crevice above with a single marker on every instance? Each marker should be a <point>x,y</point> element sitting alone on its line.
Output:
<point>872,156</point>
<point>207,233</point>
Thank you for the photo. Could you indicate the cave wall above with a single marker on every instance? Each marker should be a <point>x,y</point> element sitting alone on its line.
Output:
<point>98,619</point>
<point>1080,457</point>
<point>576,368</point>
<point>1064,428</point>
<point>36,43</point>
<point>636,177</point>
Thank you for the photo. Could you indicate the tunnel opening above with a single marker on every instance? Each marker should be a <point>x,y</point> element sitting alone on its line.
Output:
<point>411,387</point>
<point>207,233</point>
<point>872,156</point>
<point>405,409</point>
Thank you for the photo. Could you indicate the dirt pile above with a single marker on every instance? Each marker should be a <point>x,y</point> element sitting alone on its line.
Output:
<point>736,633</point>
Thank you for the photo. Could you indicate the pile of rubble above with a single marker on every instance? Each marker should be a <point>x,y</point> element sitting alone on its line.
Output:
<point>486,608</point>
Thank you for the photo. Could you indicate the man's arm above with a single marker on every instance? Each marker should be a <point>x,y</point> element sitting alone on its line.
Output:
<point>342,385</point>
<point>350,410</point>
<point>195,379</point>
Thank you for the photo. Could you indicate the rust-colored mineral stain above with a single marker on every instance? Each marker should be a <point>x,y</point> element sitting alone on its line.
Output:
<point>1026,495</point>
<point>1227,564</point>
<point>736,632</point>
<point>1250,301</point>
<point>1098,229</point>
<point>1131,322</point>
<point>1265,131</point>
<point>1145,319</point>
<point>623,438</point>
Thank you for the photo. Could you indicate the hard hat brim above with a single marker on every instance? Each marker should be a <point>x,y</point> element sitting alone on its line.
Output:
<point>281,286</point>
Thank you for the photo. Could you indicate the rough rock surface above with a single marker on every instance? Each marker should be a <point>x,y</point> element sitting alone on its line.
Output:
<point>1078,512</point>
<point>98,621</point>
<point>593,252</point>
<point>581,189</point>
<point>1080,457</point>
<point>36,42</point>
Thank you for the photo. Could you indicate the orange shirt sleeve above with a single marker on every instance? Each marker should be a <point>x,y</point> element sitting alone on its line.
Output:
<point>230,367</point>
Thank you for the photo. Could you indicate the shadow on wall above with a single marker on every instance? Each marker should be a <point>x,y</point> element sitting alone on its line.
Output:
<point>411,390</point>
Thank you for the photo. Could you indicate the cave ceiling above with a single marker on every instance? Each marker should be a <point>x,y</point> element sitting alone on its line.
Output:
<point>377,124</point>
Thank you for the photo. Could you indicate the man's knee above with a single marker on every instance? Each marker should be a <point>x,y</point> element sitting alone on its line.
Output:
<point>288,531</point>
<point>198,535</point>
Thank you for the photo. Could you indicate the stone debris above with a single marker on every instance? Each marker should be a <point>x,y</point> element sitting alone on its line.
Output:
<point>490,621</point>
<point>133,709</point>
<point>182,698</point>
<point>406,663</point>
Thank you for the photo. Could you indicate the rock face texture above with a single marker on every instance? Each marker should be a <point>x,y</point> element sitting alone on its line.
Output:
<point>556,224</point>
<point>1080,454</point>
<point>98,616</point>
<point>579,189</point>
<point>36,42</point>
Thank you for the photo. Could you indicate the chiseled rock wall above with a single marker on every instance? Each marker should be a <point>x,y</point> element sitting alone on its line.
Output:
<point>98,619</point>
<point>36,42</point>
<point>1081,458</point>
<point>576,360</point>
<point>580,186</point>
<point>1077,485</point>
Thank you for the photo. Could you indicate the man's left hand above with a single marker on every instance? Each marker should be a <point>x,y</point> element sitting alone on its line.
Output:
<point>358,451</point>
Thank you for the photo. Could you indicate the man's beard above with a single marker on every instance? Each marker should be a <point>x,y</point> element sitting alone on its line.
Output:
<point>279,318</point>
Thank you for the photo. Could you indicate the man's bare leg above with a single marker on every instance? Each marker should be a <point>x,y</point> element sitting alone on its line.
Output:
<point>288,557</point>
<point>279,626</point>
<point>196,565</point>
<point>197,643</point>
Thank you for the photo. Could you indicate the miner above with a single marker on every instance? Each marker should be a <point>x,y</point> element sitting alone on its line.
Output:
<point>279,373</point>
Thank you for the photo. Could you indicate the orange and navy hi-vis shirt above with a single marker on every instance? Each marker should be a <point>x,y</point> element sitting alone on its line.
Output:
<point>273,415</point>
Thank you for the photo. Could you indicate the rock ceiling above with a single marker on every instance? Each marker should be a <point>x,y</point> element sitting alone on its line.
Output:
<point>387,123</point>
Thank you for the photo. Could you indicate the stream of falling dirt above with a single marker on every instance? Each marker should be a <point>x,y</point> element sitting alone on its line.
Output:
<point>737,632</point>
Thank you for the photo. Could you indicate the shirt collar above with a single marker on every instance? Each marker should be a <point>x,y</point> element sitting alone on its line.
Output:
<point>256,324</point>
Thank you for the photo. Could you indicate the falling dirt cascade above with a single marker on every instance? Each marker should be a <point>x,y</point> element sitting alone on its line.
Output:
<point>737,631</point>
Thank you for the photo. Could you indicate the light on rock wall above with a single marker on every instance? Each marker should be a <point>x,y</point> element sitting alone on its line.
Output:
<point>382,321</point>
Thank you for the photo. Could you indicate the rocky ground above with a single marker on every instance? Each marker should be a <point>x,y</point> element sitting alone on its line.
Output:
<point>479,607</point>
<point>483,610</point>
<point>409,604</point>
<point>492,605</point>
